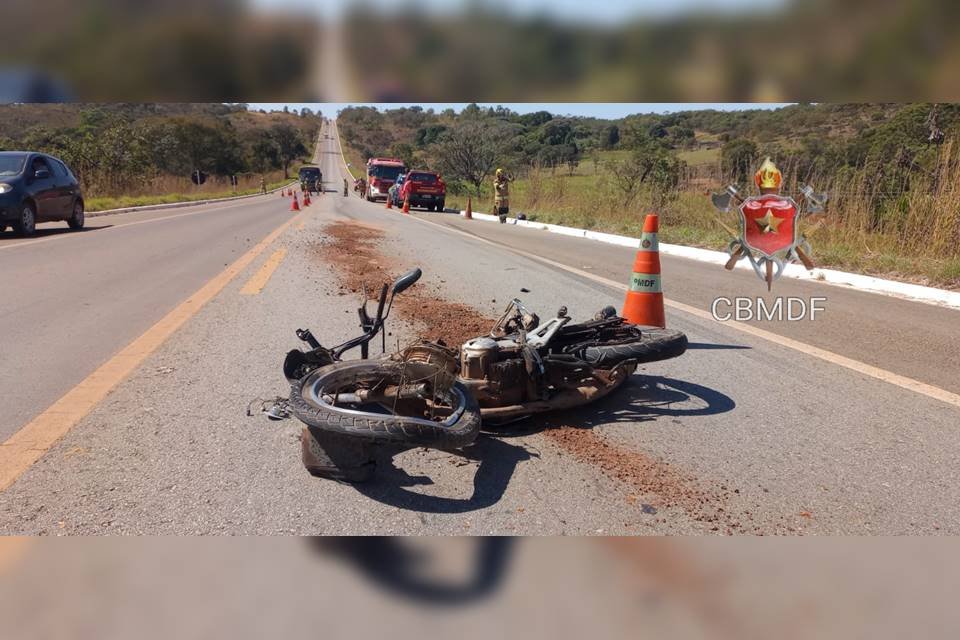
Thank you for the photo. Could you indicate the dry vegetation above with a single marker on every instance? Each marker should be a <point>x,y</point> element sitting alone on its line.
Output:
<point>894,197</point>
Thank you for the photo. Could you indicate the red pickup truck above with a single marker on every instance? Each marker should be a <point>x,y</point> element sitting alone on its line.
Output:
<point>425,189</point>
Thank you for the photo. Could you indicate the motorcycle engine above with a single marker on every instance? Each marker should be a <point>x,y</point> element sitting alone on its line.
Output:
<point>494,373</point>
<point>477,356</point>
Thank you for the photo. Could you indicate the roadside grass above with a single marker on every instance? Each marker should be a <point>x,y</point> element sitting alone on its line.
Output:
<point>700,156</point>
<point>104,203</point>
<point>356,161</point>
<point>919,242</point>
<point>590,202</point>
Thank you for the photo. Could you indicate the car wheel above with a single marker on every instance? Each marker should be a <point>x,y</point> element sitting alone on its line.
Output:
<point>76,220</point>
<point>27,224</point>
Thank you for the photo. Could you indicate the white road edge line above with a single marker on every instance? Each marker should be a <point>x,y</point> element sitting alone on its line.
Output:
<point>833,277</point>
<point>834,358</point>
<point>903,382</point>
<point>859,282</point>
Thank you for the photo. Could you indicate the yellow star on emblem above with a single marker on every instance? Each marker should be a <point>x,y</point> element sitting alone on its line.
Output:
<point>768,223</point>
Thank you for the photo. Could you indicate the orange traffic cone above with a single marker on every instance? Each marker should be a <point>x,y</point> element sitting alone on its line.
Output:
<point>406,204</point>
<point>306,198</point>
<point>644,302</point>
<point>468,214</point>
<point>389,202</point>
<point>294,205</point>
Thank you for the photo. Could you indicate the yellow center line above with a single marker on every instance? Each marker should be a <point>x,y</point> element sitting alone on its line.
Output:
<point>34,439</point>
<point>834,358</point>
<point>259,280</point>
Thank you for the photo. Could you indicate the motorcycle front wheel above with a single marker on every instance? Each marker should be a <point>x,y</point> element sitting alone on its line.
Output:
<point>376,401</point>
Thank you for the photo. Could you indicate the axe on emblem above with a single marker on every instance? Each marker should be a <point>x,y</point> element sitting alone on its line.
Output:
<point>722,202</point>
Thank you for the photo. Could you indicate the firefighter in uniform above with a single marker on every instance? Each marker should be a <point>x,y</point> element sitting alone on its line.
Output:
<point>501,195</point>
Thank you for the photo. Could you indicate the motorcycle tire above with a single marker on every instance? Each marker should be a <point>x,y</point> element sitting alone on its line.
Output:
<point>653,345</point>
<point>336,457</point>
<point>458,430</point>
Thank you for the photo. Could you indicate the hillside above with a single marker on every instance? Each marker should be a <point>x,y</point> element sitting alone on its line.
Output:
<point>133,150</point>
<point>892,171</point>
<point>17,119</point>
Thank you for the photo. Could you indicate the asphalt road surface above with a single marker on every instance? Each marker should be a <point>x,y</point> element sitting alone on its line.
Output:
<point>844,424</point>
<point>474,587</point>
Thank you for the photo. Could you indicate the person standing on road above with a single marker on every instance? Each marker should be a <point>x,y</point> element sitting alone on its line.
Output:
<point>501,195</point>
<point>345,188</point>
<point>263,185</point>
<point>406,189</point>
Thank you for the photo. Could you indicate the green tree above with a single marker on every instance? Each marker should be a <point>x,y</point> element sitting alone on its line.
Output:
<point>738,158</point>
<point>264,154</point>
<point>404,151</point>
<point>289,145</point>
<point>610,136</point>
<point>470,150</point>
<point>650,167</point>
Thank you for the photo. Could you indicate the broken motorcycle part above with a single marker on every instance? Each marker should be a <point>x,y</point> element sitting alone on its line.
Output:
<point>431,395</point>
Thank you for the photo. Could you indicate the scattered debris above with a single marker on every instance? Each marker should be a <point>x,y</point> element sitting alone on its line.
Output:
<point>277,408</point>
<point>351,249</point>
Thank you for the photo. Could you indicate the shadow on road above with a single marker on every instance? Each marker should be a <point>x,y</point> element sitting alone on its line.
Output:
<point>497,462</point>
<point>713,345</point>
<point>43,232</point>
<point>642,399</point>
<point>402,568</point>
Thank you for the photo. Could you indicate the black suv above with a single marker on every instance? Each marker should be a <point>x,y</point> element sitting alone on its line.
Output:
<point>35,187</point>
<point>311,177</point>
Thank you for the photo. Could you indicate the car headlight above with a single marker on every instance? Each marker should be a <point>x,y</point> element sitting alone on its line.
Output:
<point>5,188</point>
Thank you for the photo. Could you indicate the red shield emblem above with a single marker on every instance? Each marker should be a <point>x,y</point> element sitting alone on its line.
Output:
<point>769,224</point>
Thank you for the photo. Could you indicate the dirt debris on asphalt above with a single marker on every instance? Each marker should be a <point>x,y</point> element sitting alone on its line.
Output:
<point>669,486</point>
<point>352,248</point>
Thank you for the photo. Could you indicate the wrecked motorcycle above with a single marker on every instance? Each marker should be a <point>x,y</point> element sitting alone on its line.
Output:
<point>429,394</point>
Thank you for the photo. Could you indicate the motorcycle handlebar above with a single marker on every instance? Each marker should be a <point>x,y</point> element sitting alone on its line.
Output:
<point>405,281</point>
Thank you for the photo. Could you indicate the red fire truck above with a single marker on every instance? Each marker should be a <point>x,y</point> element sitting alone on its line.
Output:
<point>381,174</point>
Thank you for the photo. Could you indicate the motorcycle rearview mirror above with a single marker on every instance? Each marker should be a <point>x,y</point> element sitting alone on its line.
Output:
<point>406,280</point>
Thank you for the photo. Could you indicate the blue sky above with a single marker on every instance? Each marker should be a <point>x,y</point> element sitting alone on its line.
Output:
<point>606,110</point>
